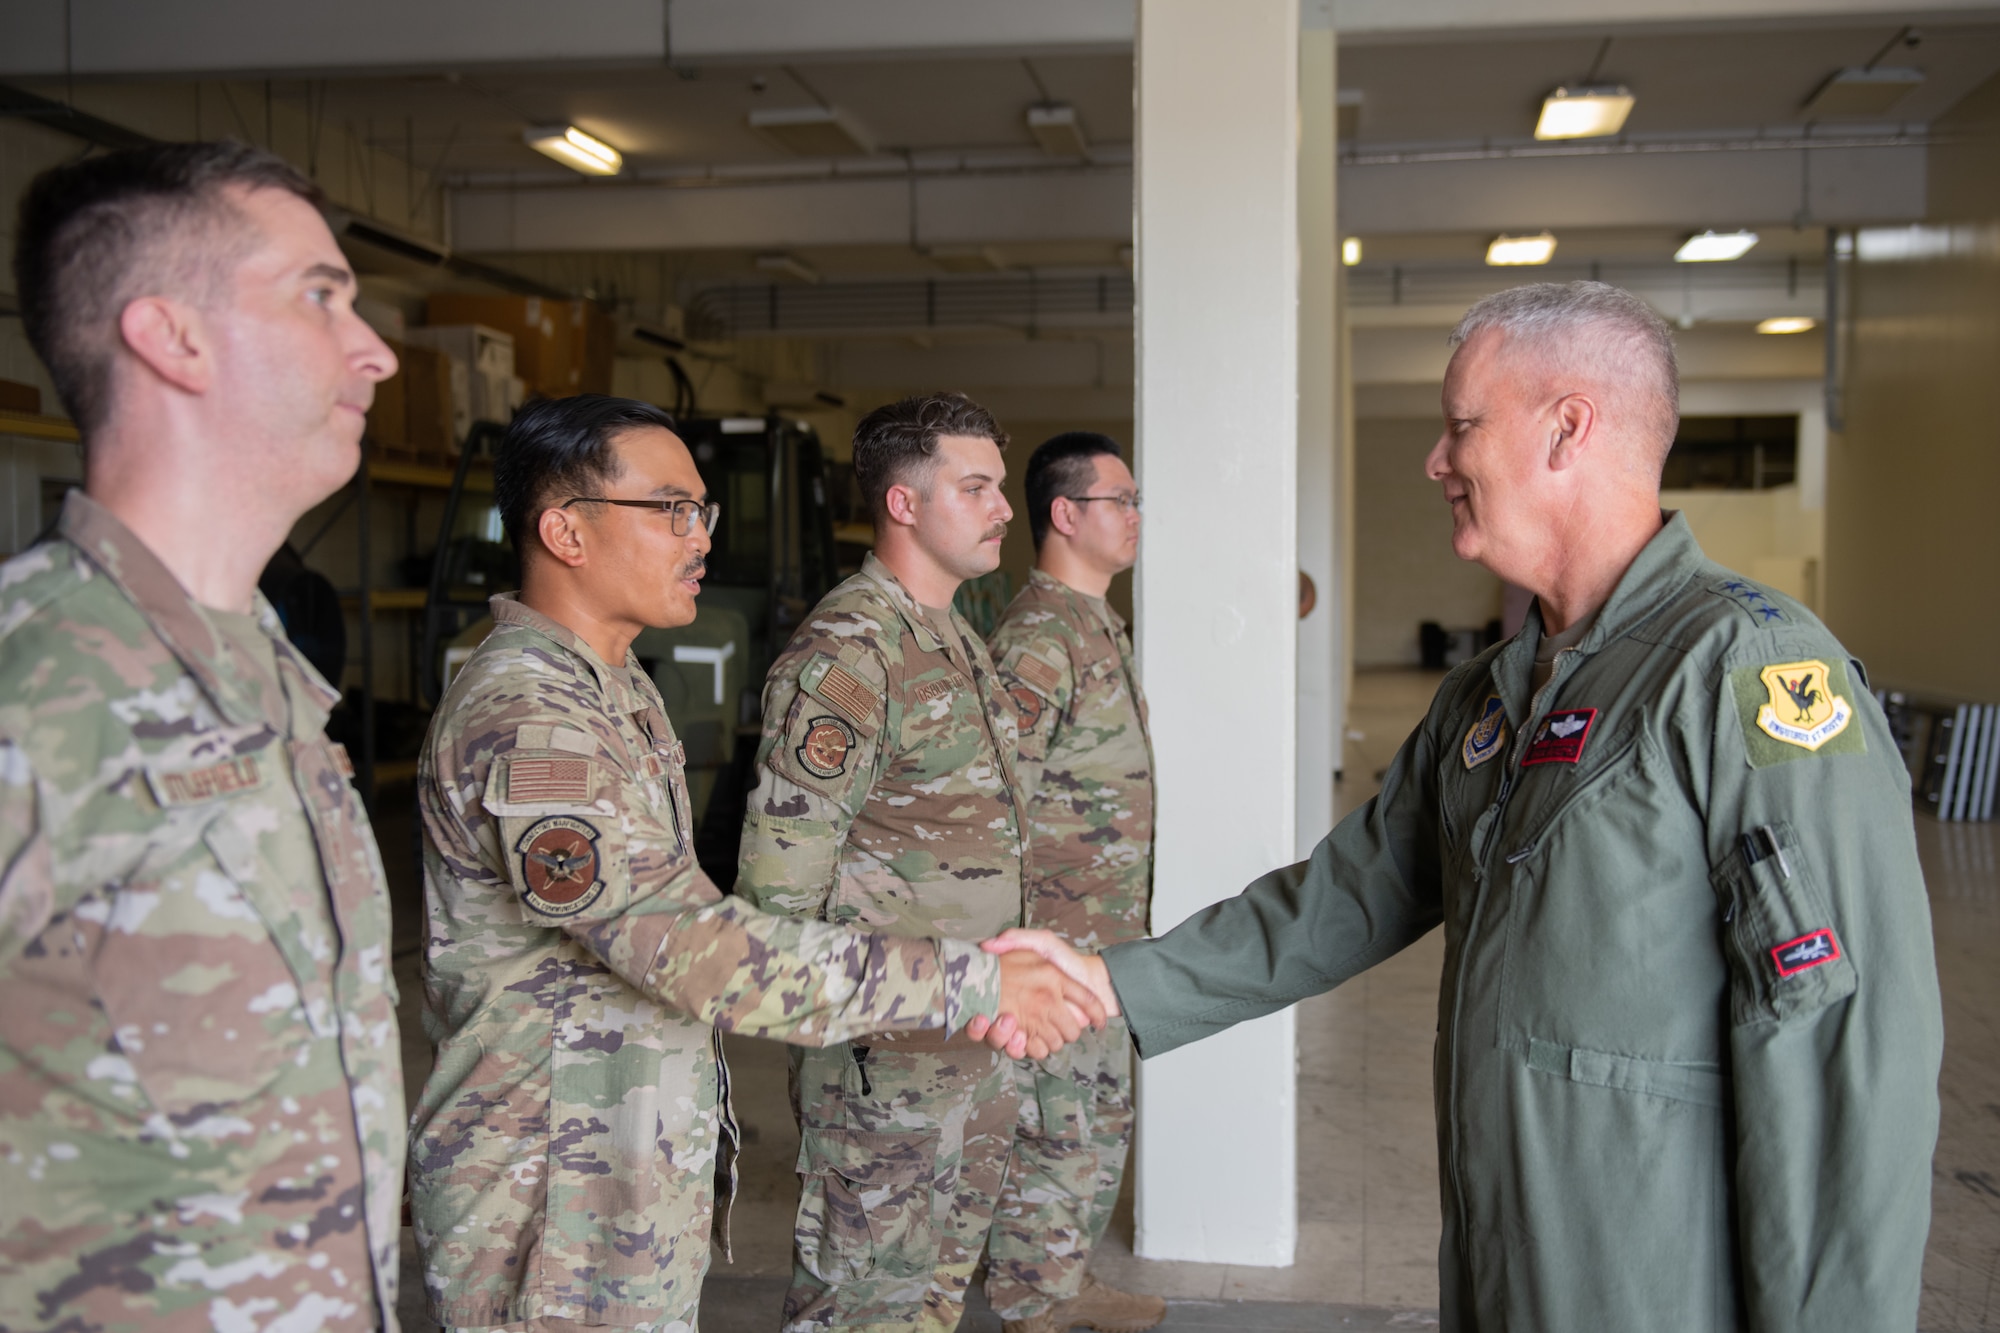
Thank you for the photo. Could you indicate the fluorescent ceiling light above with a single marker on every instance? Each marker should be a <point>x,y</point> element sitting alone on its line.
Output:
<point>1350,251</point>
<point>1584,113</point>
<point>789,266</point>
<point>1510,250</point>
<point>1715,247</point>
<point>1057,130</point>
<point>1788,324</point>
<point>1862,92</point>
<point>812,131</point>
<point>574,149</point>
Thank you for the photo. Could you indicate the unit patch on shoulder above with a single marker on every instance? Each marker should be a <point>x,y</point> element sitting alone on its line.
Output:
<point>1795,956</point>
<point>1561,736</point>
<point>1792,709</point>
<point>1028,704</point>
<point>1487,736</point>
<point>532,781</point>
<point>823,752</point>
<point>559,865</point>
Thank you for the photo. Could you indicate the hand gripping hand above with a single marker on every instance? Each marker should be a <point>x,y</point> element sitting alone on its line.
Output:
<point>1042,1008</point>
<point>1086,968</point>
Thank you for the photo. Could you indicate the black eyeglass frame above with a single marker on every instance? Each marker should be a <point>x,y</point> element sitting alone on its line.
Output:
<point>681,514</point>
<point>1131,504</point>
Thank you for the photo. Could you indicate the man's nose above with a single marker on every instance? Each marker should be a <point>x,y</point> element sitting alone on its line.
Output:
<point>1006,510</point>
<point>1435,464</point>
<point>370,355</point>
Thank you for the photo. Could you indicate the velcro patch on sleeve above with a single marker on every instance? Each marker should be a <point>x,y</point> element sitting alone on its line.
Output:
<point>532,781</point>
<point>1795,710</point>
<point>849,695</point>
<point>1807,951</point>
<point>1037,673</point>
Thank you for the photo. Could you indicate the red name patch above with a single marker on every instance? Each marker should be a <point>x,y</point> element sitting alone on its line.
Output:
<point>1807,951</point>
<point>1561,736</point>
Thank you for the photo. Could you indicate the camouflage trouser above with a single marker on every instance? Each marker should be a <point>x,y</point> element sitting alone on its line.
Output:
<point>900,1161</point>
<point>1070,1145</point>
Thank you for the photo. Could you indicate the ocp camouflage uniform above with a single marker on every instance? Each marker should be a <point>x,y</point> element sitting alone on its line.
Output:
<point>886,798</point>
<point>201,1102</point>
<point>1087,767</point>
<point>570,1146</point>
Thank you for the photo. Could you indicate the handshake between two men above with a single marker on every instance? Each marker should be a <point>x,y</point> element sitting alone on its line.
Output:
<point>1049,993</point>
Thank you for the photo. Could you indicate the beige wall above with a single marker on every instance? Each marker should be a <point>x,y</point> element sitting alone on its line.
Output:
<point>1766,535</point>
<point>1404,569</point>
<point>1910,547</point>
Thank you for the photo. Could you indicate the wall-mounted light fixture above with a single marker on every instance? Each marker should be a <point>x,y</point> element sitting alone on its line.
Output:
<point>574,149</point>
<point>1506,251</point>
<point>1788,324</point>
<point>1055,127</point>
<point>1584,113</point>
<point>1714,247</point>
<point>1350,251</point>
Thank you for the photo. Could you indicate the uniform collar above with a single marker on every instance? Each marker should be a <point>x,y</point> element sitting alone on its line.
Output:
<point>622,694</point>
<point>1098,606</point>
<point>1662,568</point>
<point>913,612</point>
<point>296,702</point>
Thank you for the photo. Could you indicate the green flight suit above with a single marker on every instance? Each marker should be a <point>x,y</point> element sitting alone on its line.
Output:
<point>1689,1028</point>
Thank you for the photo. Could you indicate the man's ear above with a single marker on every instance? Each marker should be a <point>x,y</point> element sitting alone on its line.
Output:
<point>1575,424</point>
<point>563,536</point>
<point>1063,515</point>
<point>901,504</point>
<point>169,338</point>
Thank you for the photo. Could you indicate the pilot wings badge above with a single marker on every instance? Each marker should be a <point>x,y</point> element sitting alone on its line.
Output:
<point>1803,709</point>
<point>1487,736</point>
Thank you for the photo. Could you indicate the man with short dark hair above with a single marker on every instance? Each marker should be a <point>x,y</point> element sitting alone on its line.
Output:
<point>1689,1031</point>
<point>574,1142</point>
<point>201,1104</point>
<point>886,797</point>
<point>1086,768</point>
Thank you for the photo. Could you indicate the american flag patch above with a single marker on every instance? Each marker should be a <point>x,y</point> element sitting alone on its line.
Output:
<point>1038,673</point>
<point>846,691</point>
<point>548,780</point>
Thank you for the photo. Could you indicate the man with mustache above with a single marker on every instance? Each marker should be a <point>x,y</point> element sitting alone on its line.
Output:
<point>887,797</point>
<point>574,1143</point>
<point>200,1099</point>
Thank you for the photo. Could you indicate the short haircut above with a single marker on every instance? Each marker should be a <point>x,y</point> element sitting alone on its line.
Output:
<point>97,234</point>
<point>897,444</point>
<point>559,448</point>
<point>1603,331</point>
<point>1061,466</point>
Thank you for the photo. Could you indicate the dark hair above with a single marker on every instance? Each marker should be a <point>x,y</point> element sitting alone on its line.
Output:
<point>98,234</point>
<point>561,447</point>
<point>898,443</point>
<point>1062,466</point>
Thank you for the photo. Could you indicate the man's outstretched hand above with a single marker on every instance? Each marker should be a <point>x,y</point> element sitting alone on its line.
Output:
<point>1087,968</point>
<point>1042,1008</point>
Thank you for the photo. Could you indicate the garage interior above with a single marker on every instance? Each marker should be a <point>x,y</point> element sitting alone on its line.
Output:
<point>815,208</point>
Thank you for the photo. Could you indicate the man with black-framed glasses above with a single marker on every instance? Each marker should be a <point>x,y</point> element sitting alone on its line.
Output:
<point>1086,770</point>
<point>574,1141</point>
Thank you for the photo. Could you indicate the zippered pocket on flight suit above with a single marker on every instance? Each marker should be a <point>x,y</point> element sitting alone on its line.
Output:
<point>1786,957</point>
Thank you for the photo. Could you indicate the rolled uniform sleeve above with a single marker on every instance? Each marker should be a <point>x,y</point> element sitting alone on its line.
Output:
<point>1370,889</point>
<point>1835,1023</point>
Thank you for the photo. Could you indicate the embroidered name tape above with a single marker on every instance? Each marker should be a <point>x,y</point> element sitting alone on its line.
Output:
<point>1487,736</point>
<point>932,690</point>
<point>1807,951</point>
<point>191,786</point>
<point>1560,738</point>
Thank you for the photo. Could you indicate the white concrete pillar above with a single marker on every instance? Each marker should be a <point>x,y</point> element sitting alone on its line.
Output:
<point>1322,678</point>
<point>1217,427</point>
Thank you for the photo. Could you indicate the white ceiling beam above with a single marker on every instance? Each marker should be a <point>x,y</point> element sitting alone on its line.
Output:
<point>1397,18</point>
<point>763,29</point>
<point>112,37</point>
<point>969,210</point>
<point>1711,189</point>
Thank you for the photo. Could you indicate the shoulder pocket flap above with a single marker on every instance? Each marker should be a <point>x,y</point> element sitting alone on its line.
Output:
<point>1704,1085</point>
<point>1785,951</point>
<point>845,689</point>
<point>1033,671</point>
<point>545,783</point>
<point>864,1158</point>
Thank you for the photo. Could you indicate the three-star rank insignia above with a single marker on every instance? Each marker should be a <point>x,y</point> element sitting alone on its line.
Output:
<point>1802,709</point>
<point>1487,736</point>
<point>559,865</point>
<point>823,752</point>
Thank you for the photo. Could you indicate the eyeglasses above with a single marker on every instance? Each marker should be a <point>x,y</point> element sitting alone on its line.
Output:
<point>680,513</point>
<point>1134,503</point>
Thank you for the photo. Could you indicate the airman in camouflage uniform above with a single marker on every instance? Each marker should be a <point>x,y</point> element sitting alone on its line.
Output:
<point>1086,764</point>
<point>574,1144</point>
<point>886,797</point>
<point>201,1102</point>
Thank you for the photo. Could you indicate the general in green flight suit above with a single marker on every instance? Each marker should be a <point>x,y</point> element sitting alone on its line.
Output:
<point>1689,1028</point>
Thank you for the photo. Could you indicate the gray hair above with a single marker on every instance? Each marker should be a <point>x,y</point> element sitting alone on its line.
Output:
<point>1604,331</point>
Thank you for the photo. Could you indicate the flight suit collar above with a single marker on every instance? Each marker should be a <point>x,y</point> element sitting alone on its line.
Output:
<point>1662,567</point>
<point>907,606</point>
<point>622,695</point>
<point>296,702</point>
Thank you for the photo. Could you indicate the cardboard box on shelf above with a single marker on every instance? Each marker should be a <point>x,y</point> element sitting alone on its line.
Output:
<point>429,434</point>
<point>18,397</point>
<point>560,347</point>
<point>387,421</point>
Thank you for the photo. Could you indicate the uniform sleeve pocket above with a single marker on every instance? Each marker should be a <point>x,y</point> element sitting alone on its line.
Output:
<point>865,1204</point>
<point>1786,957</point>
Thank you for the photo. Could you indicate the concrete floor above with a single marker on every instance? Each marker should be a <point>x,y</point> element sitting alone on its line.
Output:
<point>1368,1209</point>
